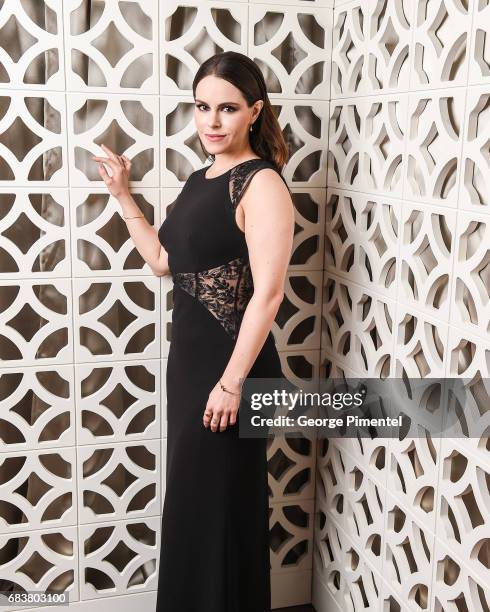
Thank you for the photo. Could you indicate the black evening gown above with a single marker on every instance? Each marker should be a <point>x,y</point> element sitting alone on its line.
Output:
<point>214,553</point>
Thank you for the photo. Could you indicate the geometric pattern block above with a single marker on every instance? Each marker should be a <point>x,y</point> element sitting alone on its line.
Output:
<point>34,233</point>
<point>297,323</point>
<point>37,489</point>
<point>456,585</point>
<point>424,408</point>
<point>127,124</point>
<point>37,408</point>
<point>366,143</point>
<point>412,465</point>
<point>331,488</point>
<point>117,319</point>
<point>474,188</point>
<point>362,584</point>
<point>291,463</point>
<point>364,511</point>
<point>370,49</point>
<point>361,239</point>
<point>192,31</point>
<point>291,532</point>
<point>329,368</point>
<point>330,562</point>
<point>119,558</point>
<point>434,137</point>
<point>101,241</point>
<point>118,402</point>
<point>463,507</point>
<point>305,129</point>
<point>441,36</point>
<point>408,556</point>
<point>357,327</point>
<point>479,71</point>
<point>113,48</point>
<point>118,481</point>
<point>468,357</point>
<point>420,347</point>
<point>346,577</point>
<point>300,365</point>
<point>471,286</point>
<point>426,257</point>
<point>348,50</point>
<point>309,209</point>
<point>33,139</point>
<point>41,561</point>
<point>31,51</point>
<point>35,325</point>
<point>372,452</point>
<point>292,48</point>
<point>468,417</point>
<point>180,151</point>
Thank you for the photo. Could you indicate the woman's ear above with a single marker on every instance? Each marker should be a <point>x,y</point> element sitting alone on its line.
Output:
<point>259,104</point>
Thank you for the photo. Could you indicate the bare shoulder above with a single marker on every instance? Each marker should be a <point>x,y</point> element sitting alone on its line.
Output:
<point>266,184</point>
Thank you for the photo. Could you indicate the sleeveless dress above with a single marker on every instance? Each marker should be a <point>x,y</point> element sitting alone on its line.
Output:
<point>214,554</point>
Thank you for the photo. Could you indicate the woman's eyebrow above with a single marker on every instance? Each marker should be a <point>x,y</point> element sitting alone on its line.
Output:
<point>222,103</point>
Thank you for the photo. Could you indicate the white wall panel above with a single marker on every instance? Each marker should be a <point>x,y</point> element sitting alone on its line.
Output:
<point>402,524</point>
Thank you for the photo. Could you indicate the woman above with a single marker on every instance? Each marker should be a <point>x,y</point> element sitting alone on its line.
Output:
<point>226,242</point>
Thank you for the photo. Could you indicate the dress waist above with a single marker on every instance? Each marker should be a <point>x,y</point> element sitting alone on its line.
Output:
<point>224,290</point>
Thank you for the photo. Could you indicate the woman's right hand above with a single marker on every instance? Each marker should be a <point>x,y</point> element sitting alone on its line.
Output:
<point>118,183</point>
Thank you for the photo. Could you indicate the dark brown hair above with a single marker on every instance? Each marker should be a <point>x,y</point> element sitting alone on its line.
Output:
<point>266,138</point>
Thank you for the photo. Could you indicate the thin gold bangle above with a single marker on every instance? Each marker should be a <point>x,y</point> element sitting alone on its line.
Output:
<point>138,217</point>
<point>226,390</point>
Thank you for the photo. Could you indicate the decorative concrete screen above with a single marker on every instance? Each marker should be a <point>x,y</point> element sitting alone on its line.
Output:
<point>84,325</point>
<point>385,105</point>
<point>404,524</point>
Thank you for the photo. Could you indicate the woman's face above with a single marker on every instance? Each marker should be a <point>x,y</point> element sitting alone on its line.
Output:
<point>221,111</point>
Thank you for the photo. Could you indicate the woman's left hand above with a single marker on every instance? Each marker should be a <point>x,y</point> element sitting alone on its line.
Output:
<point>221,409</point>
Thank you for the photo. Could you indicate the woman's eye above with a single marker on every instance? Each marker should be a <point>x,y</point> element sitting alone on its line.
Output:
<point>200,107</point>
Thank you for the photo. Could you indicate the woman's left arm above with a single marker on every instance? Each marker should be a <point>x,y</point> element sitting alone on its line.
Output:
<point>269,232</point>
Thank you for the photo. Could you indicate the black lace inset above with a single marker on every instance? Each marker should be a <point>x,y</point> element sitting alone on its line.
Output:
<point>241,175</point>
<point>225,291</point>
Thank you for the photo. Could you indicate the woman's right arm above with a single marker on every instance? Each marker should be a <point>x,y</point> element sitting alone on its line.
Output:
<point>144,236</point>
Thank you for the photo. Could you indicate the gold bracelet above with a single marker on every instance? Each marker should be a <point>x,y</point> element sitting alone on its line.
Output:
<point>138,217</point>
<point>226,390</point>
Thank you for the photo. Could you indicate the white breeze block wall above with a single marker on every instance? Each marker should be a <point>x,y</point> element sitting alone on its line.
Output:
<point>84,325</point>
<point>403,525</point>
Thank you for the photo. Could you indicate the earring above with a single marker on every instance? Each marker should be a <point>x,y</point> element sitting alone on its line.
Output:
<point>251,127</point>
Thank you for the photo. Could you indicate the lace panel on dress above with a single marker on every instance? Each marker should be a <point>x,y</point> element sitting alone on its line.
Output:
<point>225,291</point>
<point>241,175</point>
